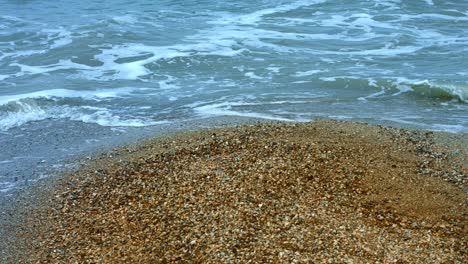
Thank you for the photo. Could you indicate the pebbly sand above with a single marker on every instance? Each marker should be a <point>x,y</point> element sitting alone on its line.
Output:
<point>325,191</point>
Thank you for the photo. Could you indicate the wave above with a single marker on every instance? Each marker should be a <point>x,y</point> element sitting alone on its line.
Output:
<point>17,110</point>
<point>264,105</point>
<point>21,113</point>
<point>233,34</point>
<point>26,111</point>
<point>225,109</point>
<point>397,86</point>
<point>95,95</point>
<point>255,17</point>
<point>124,61</point>
<point>441,90</point>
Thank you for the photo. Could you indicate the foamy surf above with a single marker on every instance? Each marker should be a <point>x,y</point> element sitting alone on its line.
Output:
<point>25,112</point>
<point>66,93</point>
<point>16,110</point>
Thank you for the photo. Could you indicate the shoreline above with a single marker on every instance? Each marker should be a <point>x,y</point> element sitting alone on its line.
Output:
<point>38,157</point>
<point>17,202</point>
<point>41,197</point>
<point>50,157</point>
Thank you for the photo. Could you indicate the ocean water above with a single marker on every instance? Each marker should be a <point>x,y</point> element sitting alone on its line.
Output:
<point>122,64</point>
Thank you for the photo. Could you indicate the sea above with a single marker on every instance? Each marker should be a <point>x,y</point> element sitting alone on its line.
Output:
<point>83,73</point>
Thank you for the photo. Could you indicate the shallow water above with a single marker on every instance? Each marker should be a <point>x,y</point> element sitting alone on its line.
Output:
<point>141,63</point>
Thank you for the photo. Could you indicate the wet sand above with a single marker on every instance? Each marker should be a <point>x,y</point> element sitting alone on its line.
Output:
<point>280,192</point>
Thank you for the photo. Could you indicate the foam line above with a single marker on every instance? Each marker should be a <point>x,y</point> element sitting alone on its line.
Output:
<point>65,93</point>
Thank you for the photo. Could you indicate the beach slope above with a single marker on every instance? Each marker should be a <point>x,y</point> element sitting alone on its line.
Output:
<point>281,192</point>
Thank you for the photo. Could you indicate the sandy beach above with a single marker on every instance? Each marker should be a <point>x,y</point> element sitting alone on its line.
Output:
<point>320,192</point>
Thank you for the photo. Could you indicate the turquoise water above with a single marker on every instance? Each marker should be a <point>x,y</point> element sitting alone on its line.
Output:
<point>141,63</point>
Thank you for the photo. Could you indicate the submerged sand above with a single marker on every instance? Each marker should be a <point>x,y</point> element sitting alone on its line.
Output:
<point>324,191</point>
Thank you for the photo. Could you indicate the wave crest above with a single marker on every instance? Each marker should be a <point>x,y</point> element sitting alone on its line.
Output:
<point>19,112</point>
<point>441,90</point>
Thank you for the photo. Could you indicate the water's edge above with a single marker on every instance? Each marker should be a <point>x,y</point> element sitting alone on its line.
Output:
<point>15,203</point>
<point>39,181</point>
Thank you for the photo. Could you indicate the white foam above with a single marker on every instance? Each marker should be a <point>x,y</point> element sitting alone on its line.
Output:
<point>22,53</point>
<point>228,84</point>
<point>366,22</point>
<point>210,81</point>
<point>30,111</point>
<point>372,82</point>
<point>91,141</point>
<point>384,52</point>
<point>308,73</point>
<point>61,65</point>
<point>221,41</point>
<point>168,84</point>
<point>255,17</point>
<point>428,38</point>
<point>376,94</point>
<point>361,21</point>
<point>137,20</point>
<point>125,19</point>
<point>459,91</point>
<point>273,69</point>
<point>27,113</point>
<point>60,42</point>
<point>389,4</point>
<point>449,128</point>
<point>59,37</point>
<point>6,186</point>
<point>65,93</point>
<point>405,17</point>
<point>339,117</point>
<point>328,60</point>
<point>224,109</point>
<point>328,79</point>
<point>403,85</point>
<point>105,118</point>
<point>300,21</point>
<point>429,2</point>
<point>302,96</point>
<point>3,77</point>
<point>252,75</point>
<point>436,127</point>
<point>13,18</point>
<point>111,70</point>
